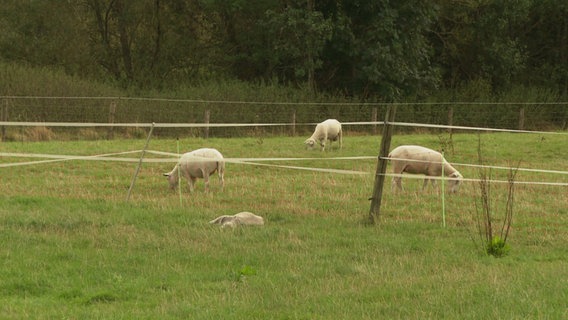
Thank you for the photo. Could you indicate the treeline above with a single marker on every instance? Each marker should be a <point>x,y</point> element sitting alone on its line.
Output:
<point>375,50</point>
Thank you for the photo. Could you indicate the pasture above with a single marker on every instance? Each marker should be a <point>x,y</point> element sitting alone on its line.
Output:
<point>73,248</point>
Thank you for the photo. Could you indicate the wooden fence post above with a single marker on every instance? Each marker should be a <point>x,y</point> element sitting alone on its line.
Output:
<point>206,120</point>
<point>382,164</point>
<point>4,117</point>
<point>522,118</point>
<point>111,119</point>
<point>374,119</point>
<point>294,123</point>
<point>140,163</point>
<point>450,120</point>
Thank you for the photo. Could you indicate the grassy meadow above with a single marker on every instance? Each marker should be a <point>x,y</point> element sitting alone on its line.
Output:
<point>72,247</point>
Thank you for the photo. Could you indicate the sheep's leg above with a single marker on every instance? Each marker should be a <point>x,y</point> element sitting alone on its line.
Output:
<point>396,183</point>
<point>433,182</point>
<point>206,181</point>
<point>191,183</point>
<point>398,168</point>
<point>189,178</point>
<point>221,174</point>
<point>323,141</point>
<point>425,184</point>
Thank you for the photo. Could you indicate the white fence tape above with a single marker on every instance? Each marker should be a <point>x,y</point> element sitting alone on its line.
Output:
<point>106,157</point>
<point>257,162</point>
<point>441,126</point>
<point>484,166</point>
<point>138,125</point>
<point>542,183</point>
<point>58,158</point>
<point>270,159</point>
<point>228,125</point>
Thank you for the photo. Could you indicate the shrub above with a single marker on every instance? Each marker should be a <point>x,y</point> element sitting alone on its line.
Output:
<point>493,244</point>
<point>39,134</point>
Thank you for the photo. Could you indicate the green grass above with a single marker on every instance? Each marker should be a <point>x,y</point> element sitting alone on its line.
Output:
<point>72,247</point>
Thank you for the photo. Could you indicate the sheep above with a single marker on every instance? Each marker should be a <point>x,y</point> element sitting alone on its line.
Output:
<point>421,160</point>
<point>200,163</point>
<point>241,218</point>
<point>330,130</point>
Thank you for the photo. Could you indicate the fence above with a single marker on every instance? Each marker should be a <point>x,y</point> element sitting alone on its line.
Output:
<point>106,116</point>
<point>261,161</point>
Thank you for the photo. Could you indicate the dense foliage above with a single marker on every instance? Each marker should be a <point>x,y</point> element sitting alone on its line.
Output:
<point>380,49</point>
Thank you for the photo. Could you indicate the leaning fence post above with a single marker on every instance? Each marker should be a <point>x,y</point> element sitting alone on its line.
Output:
<point>139,163</point>
<point>382,164</point>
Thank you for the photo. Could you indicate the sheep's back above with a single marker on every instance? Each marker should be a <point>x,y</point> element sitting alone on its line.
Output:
<point>195,167</point>
<point>332,126</point>
<point>416,159</point>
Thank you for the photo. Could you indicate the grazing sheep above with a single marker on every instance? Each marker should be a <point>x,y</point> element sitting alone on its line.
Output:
<point>421,160</point>
<point>241,218</point>
<point>330,130</point>
<point>200,163</point>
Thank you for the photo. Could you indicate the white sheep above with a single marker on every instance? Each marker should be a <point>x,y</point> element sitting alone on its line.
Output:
<point>330,130</point>
<point>241,218</point>
<point>421,160</point>
<point>200,163</point>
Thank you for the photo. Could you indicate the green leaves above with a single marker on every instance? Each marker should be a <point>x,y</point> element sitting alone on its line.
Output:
<point>297,38</point>
<point>497,247</point>
<point>383,50</point>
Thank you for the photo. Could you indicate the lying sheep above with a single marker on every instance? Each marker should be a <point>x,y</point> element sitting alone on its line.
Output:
<point>421,160</point>
<point>241,218</point>
<point>200,163</point>
<point>330,130</point>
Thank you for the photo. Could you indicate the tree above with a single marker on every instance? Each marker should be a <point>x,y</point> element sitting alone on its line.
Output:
<point>148,42</point>
<point>480,40</point>
<point>43,33</point>
<point>379,48</point>
<point>298,38</point>
<point>546,39</point>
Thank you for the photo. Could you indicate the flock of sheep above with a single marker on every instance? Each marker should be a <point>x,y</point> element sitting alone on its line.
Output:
<point>204,162</point>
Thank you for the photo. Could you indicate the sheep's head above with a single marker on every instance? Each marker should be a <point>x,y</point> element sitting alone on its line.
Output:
<point>172,179</point>
<point>310,143</point>
<point>455,181</point>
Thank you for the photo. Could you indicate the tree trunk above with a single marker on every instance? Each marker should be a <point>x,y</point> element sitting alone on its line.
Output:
<point>124,40</point>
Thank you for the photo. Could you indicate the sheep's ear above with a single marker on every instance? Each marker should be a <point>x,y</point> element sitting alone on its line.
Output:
<point>167,174</point>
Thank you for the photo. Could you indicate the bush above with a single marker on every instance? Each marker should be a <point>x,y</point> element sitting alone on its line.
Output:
<point>497,247</point>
